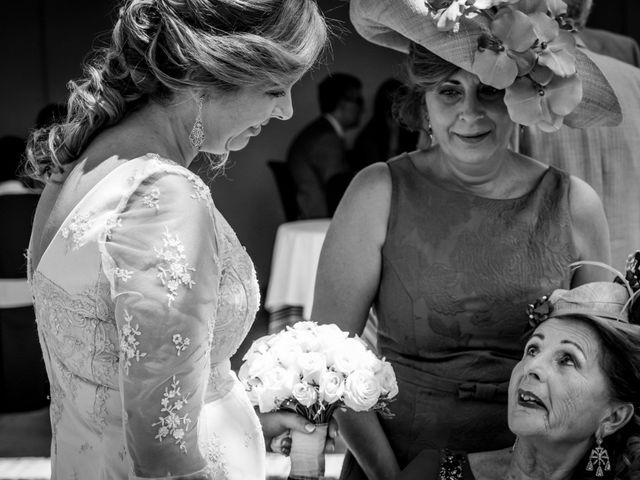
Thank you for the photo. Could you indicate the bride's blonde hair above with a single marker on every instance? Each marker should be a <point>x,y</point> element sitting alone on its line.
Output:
<point>161,47</point>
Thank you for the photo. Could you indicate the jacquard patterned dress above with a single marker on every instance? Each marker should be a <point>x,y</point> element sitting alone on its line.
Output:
<point>141,298</point>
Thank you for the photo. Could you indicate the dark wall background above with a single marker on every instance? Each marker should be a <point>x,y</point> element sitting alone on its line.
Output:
<point>43,42</point>
<point>42,46</point>
<point>620,16</point>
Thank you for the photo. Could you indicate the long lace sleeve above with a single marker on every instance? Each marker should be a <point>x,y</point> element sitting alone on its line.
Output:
<point>161,257</point>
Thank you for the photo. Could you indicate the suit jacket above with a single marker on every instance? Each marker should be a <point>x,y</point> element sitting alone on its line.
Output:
<point>608,158</point>
<point>317,160</point>
<point>612,44</point>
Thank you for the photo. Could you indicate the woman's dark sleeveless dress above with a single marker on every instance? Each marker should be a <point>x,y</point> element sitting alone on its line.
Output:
<point>458,271</point>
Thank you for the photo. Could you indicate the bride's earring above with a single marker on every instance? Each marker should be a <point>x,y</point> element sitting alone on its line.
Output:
<point>196,137</point>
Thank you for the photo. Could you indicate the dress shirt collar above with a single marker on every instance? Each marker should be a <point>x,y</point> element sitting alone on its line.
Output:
<point>335,124</point>
<point>13,187</point>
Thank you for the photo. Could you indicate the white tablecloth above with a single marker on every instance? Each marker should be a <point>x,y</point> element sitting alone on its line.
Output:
<point>294,264</point>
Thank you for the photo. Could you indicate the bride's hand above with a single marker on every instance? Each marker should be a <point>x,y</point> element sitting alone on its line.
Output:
<point>277,426</point>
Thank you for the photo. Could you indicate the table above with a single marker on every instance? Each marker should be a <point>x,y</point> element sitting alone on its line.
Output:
<point>293,267</point>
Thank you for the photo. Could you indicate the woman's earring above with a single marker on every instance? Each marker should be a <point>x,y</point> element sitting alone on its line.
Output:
<point>427,139</point>
<point>599,459</point>
<point>196,137</point>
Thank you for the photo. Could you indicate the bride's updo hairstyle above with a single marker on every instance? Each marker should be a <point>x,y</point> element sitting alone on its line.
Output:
<point>161,47</point>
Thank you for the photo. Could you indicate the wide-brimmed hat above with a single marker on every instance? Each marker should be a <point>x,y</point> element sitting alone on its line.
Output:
<point>597,301</point>
<point>523,46</point>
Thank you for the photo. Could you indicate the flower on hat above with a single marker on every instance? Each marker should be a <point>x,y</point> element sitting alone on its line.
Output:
<point>633,271</point>
<point>525,48</point>
<point>539,311</point>
<point>543,103</point>
<point>505,52</point>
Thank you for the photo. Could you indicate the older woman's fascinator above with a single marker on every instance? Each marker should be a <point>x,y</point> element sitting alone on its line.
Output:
<point>598,301</point>
<point>523,46</point>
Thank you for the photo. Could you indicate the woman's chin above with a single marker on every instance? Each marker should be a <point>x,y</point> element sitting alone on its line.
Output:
<point>237,143</point>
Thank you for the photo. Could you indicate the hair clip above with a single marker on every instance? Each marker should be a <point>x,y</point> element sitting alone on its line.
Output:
<point>539,311</point>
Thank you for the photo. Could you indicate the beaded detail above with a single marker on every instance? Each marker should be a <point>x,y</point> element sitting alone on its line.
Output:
<point>451,465</point>
<point>152,199</point>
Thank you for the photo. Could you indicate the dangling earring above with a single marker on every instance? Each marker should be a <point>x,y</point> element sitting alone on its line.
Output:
<point>599,459</point>
<point>196,137</point>
<point>428,132</point>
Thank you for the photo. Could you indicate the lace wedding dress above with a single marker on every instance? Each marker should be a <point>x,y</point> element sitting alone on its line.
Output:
<point>141,298</point>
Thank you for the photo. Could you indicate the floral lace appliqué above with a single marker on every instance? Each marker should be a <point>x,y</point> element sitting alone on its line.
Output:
<point>180,343</point>
<point>152,199</point>
<point>78,227</point>
<point>112,222</point>
<point>122,273</point>
<point>174,270</point>
<point>201,191</point>
<point>129,343</point>
<point>172,424</point>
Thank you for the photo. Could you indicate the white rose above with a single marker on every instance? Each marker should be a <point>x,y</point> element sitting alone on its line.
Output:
<point>305,325</point>
<point>258,347</point>
<point>331,387</point>
<point>261,364</point>
<point>285,349</point>
<point>305,394</point>
<point>387,378</point>
<point>312,365</point>
<point>369,361</point>
<point>347,356</point>
<point>330,336</point>
<point>362,391</point>
<point>307,340</point>
<point>277,385</point>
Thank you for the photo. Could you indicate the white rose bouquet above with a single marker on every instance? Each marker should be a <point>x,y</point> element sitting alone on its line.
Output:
<point>314,369</point>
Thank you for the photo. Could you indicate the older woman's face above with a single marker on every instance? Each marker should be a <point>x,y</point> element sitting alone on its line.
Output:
<point>231,119</point>
<point>558,391</point>
<point>469,119</point>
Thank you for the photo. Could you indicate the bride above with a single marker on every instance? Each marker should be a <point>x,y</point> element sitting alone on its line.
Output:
<point>142,290</point>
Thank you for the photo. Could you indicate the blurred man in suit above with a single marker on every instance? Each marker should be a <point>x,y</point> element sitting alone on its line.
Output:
<point>603,42</point>
<point>608,158</point>
<point>317,158</point>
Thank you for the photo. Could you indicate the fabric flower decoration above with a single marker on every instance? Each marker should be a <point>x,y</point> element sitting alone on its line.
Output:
<point>539,311</point>
<point>633,271</point>
<point>447,14</point>
<point>554,46</point>
<point>544,105</point>
<point>506,53</point>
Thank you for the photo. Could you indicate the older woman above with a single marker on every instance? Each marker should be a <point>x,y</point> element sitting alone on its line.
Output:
<point>142,290</point>
<point>573,397</point>
<point>448,242</point>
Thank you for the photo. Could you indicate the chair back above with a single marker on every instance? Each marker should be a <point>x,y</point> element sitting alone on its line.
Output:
<point>286,189</point>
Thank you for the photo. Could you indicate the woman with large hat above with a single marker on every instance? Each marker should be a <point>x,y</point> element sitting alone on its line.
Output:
<point>448,243</point>
<point>574,395</point>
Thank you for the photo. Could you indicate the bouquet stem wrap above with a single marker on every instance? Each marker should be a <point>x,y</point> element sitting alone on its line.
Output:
<point>307,453</point>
